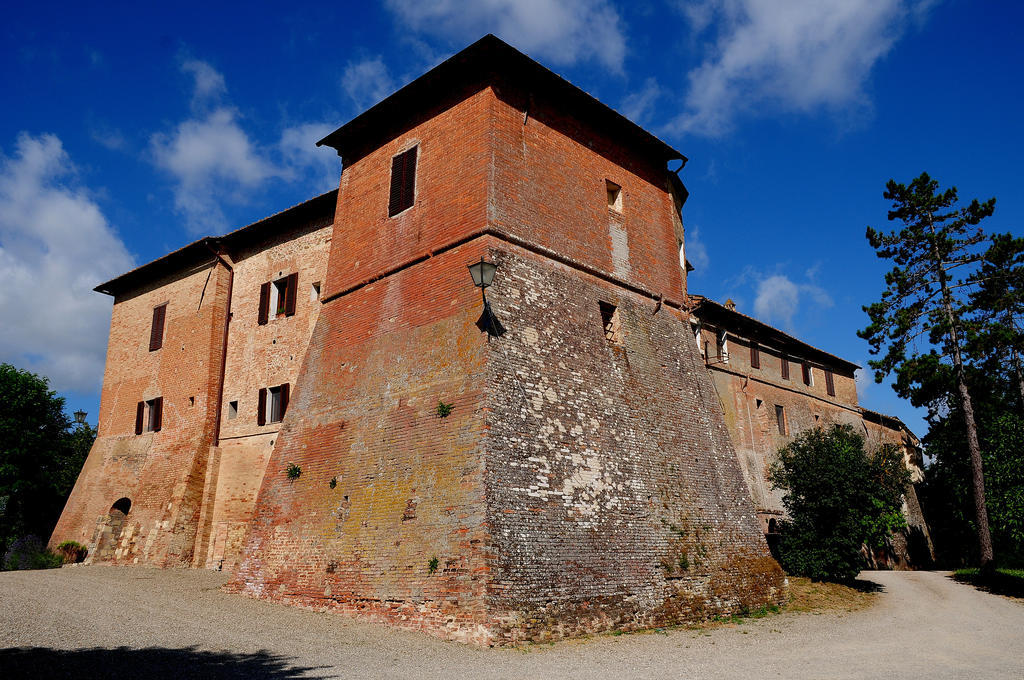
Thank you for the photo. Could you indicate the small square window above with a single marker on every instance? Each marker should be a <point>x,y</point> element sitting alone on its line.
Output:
<point>191,401</point>
<point>232,410</point>
<point>314,292</point>
<point>614,195</point>
<point>610,322</point>
<point>780,418</point>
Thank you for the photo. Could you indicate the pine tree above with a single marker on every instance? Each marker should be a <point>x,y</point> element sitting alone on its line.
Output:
<point>936,255</point>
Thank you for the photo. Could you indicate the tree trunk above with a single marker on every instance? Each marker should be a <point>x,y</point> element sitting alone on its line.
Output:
<point>977,473</point>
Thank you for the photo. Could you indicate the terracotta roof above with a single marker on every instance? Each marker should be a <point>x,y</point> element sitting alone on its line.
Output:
<point>706,308</point>
<point>200,251</point>
<point>482,62</point>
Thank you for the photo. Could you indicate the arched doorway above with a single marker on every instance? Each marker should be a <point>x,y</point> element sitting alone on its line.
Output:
<point>110,529</point>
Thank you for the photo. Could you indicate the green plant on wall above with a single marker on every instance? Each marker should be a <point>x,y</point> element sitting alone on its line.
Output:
<point>333,483</point>
<point>432,565</point>
<point>293,471</point>
<point>444,410</point>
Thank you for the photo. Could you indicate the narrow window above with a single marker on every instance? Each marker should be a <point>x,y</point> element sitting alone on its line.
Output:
<point>156,331</point>
<point>191,401</point>
<point>610,322</point>
<point>614,195</point>
<point>314,292</point>
<point>785,368</point>
<point>780,418</point>
<point>755,356</point>
<point>403,182</point>
<point>273,403</point>
<point>707,350</point>
<point>140,417</point>
<point>807,374</point>
<point>723,347</point>
<point>830,385</point>
<point>264,304</point>
<point>154,414</point>
<point>232,410</point>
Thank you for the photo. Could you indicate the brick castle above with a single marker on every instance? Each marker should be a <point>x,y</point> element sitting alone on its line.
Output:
<point>310,403</point>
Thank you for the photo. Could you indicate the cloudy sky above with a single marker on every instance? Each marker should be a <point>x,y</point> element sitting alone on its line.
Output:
<point>127,132</point>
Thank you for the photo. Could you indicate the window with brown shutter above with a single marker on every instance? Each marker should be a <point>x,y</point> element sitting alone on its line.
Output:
<point>156,331</point>
<point>830,385</point>
<point>261,408</point>
<point>785,368</point>
<point>403,182</point>
<point>140,415</point>
<point>291,287</point>
<point>807,374</point>
<point>755,356</point>
<point>157,414</point>
<point>264,313</point>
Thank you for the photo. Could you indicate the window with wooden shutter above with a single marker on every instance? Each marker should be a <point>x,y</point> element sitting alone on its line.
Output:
<point>261,408</point>
<point>291,288</point>
<point>156,331</point>
<point>264,313</point>
<point>285,394</point>
<point>157,415</point>
<point>807,374</point>
<point>785,368</point>
<point>755,356</point>
<point>830,385</point>
<point>140,415</point>
<point>403,182</point>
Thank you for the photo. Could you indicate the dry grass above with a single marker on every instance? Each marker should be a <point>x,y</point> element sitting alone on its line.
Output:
<point>806,595</point>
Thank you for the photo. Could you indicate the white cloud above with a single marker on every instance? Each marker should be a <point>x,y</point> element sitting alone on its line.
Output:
<point>696,251</point>
<point>366,82</point>
<point>209,83</point>
<point>779,299</point>
<point>210,157</point>
<point>300,153</point>
<point>638,105</point>
<point>55,246</point>
<point>791,55</point>
<point>561,31</point>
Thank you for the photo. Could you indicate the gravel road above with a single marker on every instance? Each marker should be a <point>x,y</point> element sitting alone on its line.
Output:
<point>106,622</point>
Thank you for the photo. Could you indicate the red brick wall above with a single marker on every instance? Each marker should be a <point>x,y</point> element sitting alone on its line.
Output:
<point>549,188</point>
<point>258,357</point>
<point>161,472</point>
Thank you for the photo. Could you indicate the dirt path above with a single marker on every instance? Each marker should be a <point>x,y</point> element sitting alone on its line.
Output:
<point>93,622</point>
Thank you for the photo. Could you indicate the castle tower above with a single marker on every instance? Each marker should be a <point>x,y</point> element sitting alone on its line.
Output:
<point>573,474</point>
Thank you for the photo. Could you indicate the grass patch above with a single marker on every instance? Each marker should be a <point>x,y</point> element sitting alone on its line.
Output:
<point>1009,582</point>
<point>819,597</point>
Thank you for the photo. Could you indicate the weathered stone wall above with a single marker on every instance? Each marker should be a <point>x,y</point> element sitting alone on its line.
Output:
<point>162,473</point>
<point>614,495</point>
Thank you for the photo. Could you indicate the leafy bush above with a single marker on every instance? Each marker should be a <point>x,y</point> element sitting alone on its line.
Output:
<point>293,471</point>
<point>72,552</point>
<point>29,552</point>
<point>838,498</point>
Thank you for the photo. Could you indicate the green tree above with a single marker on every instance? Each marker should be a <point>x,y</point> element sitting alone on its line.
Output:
<point>40,455</point>
<point>936,254</point>
<point>838,498</point>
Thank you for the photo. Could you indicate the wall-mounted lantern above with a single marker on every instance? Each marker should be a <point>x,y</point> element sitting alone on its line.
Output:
<point>80,416</point>
<point>483,275</point>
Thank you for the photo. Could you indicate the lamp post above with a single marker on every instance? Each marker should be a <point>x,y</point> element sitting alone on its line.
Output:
<point>80,417</point>
<point>483,275</point>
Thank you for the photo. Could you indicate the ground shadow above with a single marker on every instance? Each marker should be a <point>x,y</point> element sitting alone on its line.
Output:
<point>999,583</point>
<point>864,585</point>
<point>153,663</point>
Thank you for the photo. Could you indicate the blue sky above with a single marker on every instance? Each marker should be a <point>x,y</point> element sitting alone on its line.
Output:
<point>129,131</point>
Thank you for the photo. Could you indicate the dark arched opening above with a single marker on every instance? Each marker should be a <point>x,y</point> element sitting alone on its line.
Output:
<point>772,537</point>
<point>110,531</point>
